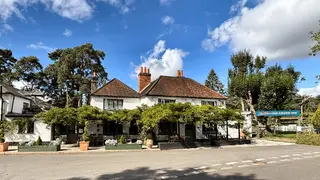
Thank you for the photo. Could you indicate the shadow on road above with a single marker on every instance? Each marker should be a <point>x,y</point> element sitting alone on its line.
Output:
<point>186,174</point>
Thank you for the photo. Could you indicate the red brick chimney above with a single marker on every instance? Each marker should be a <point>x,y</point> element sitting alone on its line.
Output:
<point>179,73</point>
<point>144,78</point>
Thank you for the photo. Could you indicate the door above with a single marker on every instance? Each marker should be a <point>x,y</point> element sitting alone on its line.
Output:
<point>190,132</point>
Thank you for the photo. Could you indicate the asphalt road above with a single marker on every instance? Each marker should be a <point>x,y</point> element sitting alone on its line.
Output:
<point>292,162</point>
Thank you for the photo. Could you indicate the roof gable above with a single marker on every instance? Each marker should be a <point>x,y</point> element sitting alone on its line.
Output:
<point>116,88</point>
<point>179,87</point>
<point>7,89</point>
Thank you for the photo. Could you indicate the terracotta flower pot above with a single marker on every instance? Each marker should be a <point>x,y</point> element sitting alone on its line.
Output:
<point>84,145</point>
<point>4,146</point>
<point>149,143</point>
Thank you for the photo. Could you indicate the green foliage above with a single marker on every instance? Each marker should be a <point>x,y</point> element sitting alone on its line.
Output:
<point>64,116</point>
<point>214,83</point>
<point>39,141</point>
<point>122,140</point>
<point>315,37</point>
<point>85,135</point>
<point>315,120</point>
<point>308,139</point>
<point>5,127</point>
<point>7,62</point>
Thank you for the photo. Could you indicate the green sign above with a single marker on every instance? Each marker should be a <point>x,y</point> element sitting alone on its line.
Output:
<point>279,113</point>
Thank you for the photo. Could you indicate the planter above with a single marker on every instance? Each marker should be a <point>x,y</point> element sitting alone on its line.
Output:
<point>84,145</point>
<point>123,147</point>
<point>38,148</point>
<point>4,146</point>
<point>149,143</point>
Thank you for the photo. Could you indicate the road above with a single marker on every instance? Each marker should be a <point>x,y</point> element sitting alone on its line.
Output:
<point>291,162</point>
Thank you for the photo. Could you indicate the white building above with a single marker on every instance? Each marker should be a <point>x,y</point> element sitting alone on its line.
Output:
<point>15,105</point>
<point>117,95</point>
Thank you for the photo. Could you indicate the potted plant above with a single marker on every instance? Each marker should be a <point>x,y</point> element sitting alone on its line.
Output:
<point>84,144</point>
<point>37,146</point>
<point>149,140</point>
<point>5,127</point>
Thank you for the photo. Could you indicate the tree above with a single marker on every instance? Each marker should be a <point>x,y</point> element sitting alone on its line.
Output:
<point>278,88</point>
<point>316,118</point>
<point>315,36</point>
<point>6,64</point>
<point>245,79</point>
<point>73,70</point>
<point>214,83</point>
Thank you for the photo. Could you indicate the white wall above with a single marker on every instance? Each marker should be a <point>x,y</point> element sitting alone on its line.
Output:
<point>18,104</point>
<point>152,100</point>
<point>40,129</point>
<point>128,103</point>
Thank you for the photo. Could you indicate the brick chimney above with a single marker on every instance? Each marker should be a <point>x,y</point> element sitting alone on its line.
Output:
<point>94,82</point>
<point>144,78</point>
<point>179,73</point>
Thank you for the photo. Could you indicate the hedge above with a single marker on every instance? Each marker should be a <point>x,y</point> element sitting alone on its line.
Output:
<point>308,139</point>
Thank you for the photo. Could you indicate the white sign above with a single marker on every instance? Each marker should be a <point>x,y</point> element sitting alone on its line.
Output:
<point>299,128</point>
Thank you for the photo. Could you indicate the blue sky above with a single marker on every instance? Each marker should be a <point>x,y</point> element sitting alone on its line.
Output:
<point>166,35</point>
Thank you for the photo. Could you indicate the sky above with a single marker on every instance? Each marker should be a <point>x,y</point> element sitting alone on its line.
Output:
<point>167,35</point>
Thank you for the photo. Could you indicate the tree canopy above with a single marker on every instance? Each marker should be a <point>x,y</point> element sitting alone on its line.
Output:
<point>214,83</point>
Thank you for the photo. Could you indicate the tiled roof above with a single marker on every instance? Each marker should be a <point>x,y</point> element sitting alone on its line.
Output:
<point>115,88</point>
<point>168,86</point>
<point>7,89</point>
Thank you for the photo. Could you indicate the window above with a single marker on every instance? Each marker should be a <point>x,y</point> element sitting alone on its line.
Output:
<point>212,103</point>
<point>113,104</point>
<point>25,107</point>
<point>26,128</point>
<point>167,128</point>
<point>209,129</point>
<point>112,128</point>
<point>165,101</point>
<point>133,129</point>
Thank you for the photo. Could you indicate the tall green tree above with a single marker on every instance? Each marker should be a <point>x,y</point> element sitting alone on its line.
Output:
<point>245,79</point>
<point>278,88</point>
<point>7,62</point>
<point>74,69</point>
<point>214,83</point>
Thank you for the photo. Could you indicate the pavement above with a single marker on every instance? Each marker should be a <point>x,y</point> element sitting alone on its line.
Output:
<point>285,162</point>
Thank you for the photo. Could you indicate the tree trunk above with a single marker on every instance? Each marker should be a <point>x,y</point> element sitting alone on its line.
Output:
<point>253,112</point>
<point>242,104</point>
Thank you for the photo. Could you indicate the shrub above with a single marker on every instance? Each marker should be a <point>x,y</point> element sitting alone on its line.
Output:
<point>22,143</point>
<point>56,142</point>
<point>139,142</point>
<point>39,141</point>
<point>309,139</point>
<point>122,140</point>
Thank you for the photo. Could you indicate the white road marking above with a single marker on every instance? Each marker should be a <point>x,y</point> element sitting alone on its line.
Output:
<point>214,165</point>
<point>260,159</point>
<point>168,177</point>
<point>307,153</point>
<point>231,163</point>
<point>285,156</point>
<point>209,170</point>
<point>272,162</point>
<point>245,165</point>
<point>296,154</point>
<point>202,167</point>
<point>317,155</point>
<point>296,158</point>
<point>274,157</point>
<point>308,157</point>
<point>316,152</point>
<point>223,168</point>
<point>180,169</point>
<point>195,172</point>
<point>247,161</point>
<point>285,160</point>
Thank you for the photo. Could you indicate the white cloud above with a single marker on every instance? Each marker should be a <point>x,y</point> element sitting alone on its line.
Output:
<point>273,28</point>
<point>41,46</point>
<point>19,84</point>
<point>124,6</point>
<point>162,61</point>
<point>315,91</point>
<point>238,6</point>
<point>78,10</point>
<point>166,2</point>
<point>67,33</point>
<point>167,20</point>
